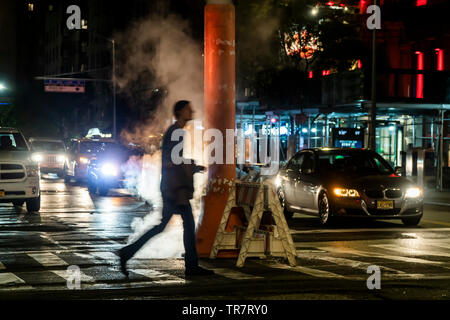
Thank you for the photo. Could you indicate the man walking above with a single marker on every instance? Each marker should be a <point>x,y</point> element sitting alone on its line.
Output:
<point>177,188</point>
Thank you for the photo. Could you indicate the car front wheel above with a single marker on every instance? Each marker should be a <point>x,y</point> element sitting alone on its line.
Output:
<point>92,186</point>
<point>325,211</point>
<point>34,205</point>
<point>411,222</point>
<point>18,203</point>
<point>287,214</point>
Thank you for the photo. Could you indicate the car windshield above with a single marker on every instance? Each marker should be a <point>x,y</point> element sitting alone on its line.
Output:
<point>358,162</point>
<point>95,146</point>
<point>12,142</point>
<point>47,146</point>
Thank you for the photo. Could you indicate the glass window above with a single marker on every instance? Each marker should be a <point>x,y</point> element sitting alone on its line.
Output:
<point>296,162</point>
<point>48,146</point>
<point>308,163</point>
<point>12,142</point>
<point>354,162</point>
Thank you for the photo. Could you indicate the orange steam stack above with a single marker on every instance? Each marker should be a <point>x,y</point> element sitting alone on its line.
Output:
<point>219,112</point>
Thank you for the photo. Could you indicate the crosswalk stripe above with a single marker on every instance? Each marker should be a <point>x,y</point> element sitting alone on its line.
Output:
<point>385,256</point>
<point>409,250</point>
<point>105,255</point>
<point>47,259</point>
<point>346,262</point>
<point>65,275</point>
<point>309,271</point>
<point>156,275</point>
<point>2,266</point>
<point>441,245</point>
<point>233,274</point>
<point>315,231</point>
<point>8,278</point>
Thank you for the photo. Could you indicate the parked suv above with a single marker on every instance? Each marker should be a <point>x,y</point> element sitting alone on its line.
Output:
<point>19,173</point>
<point>50,153</point>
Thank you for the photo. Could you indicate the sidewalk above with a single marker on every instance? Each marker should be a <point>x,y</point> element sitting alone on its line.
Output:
<point>433,196</point>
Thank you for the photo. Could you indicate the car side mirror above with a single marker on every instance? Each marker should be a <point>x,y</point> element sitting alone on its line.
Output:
<point>398,170</point>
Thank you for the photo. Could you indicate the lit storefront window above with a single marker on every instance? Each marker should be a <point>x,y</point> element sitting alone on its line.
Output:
<point>419,85</point>
<point>440,59</point>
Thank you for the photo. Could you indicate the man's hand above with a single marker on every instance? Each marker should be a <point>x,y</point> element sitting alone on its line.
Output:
<point>200,169</point>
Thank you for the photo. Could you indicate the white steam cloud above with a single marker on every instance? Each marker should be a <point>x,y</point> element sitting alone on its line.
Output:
<point>163,48</point>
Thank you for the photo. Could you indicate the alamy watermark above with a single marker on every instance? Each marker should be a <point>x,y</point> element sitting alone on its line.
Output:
<point>374,281</point>
<point>374,21</point>
<point>73,277</point>
<point>74,20</point>
<point>211,143</point>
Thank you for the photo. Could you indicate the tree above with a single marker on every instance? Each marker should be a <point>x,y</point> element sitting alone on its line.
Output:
<point>296,36</point>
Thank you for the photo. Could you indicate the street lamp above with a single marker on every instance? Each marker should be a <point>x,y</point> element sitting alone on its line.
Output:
<point>2,87</point>
<point>113,79</point>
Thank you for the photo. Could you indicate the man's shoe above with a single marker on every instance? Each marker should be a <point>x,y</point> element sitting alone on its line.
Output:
<point>123,263</point>
<point>198,271</point>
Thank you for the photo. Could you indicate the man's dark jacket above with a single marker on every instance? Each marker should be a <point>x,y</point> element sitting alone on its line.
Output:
<point>177,180</point>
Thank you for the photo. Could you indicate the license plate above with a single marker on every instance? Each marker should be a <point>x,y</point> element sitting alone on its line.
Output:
<point>385,205</point>
<point>2,193</point>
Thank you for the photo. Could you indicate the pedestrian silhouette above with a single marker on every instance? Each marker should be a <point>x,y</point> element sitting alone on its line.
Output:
<point>177,188</point>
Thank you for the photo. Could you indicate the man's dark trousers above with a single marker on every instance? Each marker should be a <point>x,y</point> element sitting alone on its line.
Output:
<point>169,208</point>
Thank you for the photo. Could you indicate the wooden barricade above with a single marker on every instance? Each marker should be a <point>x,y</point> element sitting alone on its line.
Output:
<point>259,202</point>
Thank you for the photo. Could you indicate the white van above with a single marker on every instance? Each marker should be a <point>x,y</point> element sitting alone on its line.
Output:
<point>19,174</point>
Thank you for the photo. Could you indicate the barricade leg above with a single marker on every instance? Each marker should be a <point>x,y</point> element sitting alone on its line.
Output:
<point>231,203</point>
<point>253,224</point>
<point>283,228</point>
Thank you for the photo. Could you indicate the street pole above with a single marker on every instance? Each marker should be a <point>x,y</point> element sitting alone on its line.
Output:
<point>373,108</point>
<point>114,87</point>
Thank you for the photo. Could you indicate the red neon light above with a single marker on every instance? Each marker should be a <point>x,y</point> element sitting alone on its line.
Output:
<point>363,4</point>
<point>440,59</point>
<point>420,3</point>
<point>419,87</point>
<point>310,74</point>
<point>330,3</point>
<point>325,72</point>
<point>359,64</point>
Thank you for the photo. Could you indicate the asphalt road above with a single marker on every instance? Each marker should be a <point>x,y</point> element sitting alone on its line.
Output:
<point>75,229</point>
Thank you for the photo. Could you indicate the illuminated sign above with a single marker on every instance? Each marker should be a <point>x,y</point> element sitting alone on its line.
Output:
<point>59,85</point>
<point>348,138</point>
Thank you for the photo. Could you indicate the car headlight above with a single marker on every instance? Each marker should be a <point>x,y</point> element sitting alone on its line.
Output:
<point>342,192</point>
<point>413,192</point>
<point>278,181</point>
<point>61,158</point>
<point>36,157</point>
<point>32,171</point>
<point>84,160</point>
<point>109,169</point>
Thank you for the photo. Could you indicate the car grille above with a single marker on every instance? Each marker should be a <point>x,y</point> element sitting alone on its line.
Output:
<point>11,171</point>
<point>375,194</point>
<point>11,166</point>
<point>383,212</point>
<point>51,159</point>
<point>10,176</point>
<point>380,194</point>
<point>393,193</point>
